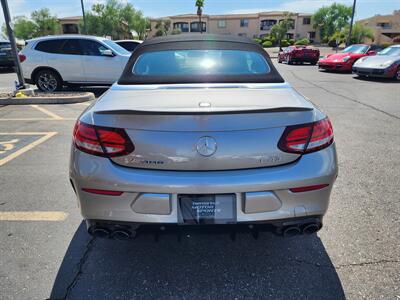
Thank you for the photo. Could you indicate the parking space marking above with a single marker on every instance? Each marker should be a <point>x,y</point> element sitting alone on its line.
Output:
<point>37,119</point>
<point>47,112</point>
<point>51,216</point>
<point>45,137</point>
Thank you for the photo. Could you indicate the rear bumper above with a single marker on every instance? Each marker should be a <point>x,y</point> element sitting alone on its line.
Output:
<point>150,196</point>
<point>305,59</point>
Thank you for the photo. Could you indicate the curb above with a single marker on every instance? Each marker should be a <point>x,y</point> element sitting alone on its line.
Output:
<point>47,100</point>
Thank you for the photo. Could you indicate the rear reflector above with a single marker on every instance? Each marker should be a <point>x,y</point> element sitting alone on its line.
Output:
<point>306,138</point>
<point>102,192</point>
<point>102,141</point>
<point>308,188</point>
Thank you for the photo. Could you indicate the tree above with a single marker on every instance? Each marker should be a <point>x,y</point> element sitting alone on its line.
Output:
<point>279,30</point>
<point>24,28</point>
<point>331,19</point>
<point>45,22</point>
<point>116,19</point>
<point>200,5</point>
<point>41,23</point>
<point>163,27</point>
<point>359,33</point>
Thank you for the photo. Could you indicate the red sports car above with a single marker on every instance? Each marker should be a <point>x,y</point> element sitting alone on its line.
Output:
<point>299,54</point>
<point>344,60</point>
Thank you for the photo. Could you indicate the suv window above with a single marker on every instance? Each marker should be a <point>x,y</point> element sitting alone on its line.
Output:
<point>72,47</point>
<point>92,48</point>
<point>50,46</point>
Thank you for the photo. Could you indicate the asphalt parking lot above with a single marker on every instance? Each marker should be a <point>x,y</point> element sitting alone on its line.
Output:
<point>356,255</point>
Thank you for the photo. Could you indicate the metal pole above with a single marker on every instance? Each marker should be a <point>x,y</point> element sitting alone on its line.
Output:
<point>14,51</point>
<point>351,24</point>
<point>84,18</point>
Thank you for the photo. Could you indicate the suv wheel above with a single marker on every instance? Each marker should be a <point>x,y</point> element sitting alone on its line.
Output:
<point>48,81</point>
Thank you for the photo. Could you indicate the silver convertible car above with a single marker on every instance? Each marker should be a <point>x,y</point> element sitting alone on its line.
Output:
<point>202,130</point>
<point>385,64</point>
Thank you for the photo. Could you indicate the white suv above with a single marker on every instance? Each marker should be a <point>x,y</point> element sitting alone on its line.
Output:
<point>53,61</point>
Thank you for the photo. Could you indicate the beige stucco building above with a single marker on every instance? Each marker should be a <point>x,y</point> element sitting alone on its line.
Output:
<point>250,25</point>
<point>386,27</point>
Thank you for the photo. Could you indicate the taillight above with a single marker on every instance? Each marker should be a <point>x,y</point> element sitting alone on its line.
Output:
<point>307,138</point>
<point>102,141</point>
<point>21,57</point>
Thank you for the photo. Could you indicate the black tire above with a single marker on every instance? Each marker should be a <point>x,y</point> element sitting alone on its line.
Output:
<point>314,63</point>
<point>48,80</point>
<point>279,61</point>
<point>397,74</point>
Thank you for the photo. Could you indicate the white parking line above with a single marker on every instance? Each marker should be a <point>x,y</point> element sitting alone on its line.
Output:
<point>47,112</point>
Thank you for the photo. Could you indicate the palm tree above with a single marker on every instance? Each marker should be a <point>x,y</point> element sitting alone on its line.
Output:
<point>200,5</point>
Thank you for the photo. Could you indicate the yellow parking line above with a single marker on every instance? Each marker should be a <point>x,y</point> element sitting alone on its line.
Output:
<point>33,216</point>
<point>47,112</point>
<point>28,147</point>
<point>83,103</point>
<point>37,119</point>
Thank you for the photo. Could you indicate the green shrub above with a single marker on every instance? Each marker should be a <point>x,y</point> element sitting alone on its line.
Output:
<point>302,42</point>
<point>267,44</point>
<point>292,41</point>
<point>258,41</point>
<point>284,43</point>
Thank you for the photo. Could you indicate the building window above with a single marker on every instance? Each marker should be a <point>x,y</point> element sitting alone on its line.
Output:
<point>267,24</point>
<point>311,35</point>
<point>221,23</point>
<point>195,27</point>
<point>182,26</point>
<point>289,35</point>
<point>384,25</point>
<point>242,34</point>
<point>244,23</point>
<point>70,28</point>
<point>306,21</point>
<point>291,23</point>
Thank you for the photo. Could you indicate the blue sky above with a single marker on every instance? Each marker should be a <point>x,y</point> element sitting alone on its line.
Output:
<point>157,8</point>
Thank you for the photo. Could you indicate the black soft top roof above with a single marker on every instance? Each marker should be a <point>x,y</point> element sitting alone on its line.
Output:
<point>192,37</point>
<point>198,42</point>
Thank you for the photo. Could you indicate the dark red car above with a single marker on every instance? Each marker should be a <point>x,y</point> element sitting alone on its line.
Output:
<point>344,60</point>
<point>299,54</point>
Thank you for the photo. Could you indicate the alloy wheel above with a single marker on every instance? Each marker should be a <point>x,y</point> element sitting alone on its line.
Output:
<point>47,82</point>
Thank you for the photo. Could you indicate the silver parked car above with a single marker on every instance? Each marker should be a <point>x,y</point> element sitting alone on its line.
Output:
<point>202,129</point>
<point>385,64</point>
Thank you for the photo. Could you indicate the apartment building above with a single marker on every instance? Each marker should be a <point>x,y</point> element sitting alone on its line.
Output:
<point>385,27</point>
<point>250,25</point>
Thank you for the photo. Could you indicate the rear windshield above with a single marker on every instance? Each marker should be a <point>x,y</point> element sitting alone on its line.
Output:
<point>200,62</point>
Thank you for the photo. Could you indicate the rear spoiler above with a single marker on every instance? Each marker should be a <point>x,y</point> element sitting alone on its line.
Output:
<point>202,111</point>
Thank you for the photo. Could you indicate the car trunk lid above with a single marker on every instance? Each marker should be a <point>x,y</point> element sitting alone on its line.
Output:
<point>204,128</point>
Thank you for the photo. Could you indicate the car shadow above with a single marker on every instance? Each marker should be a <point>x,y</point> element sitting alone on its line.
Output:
<point>96,90</point>
<point>376,79</point>
<point>7,70</point>
<point>200,266</point>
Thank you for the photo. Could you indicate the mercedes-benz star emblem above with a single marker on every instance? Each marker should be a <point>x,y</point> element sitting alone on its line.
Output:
<point>206,146</point>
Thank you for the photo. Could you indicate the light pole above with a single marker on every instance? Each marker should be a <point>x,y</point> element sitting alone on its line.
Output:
<point>84,17</point>
<point>351,23</point>
<point>14,51</point>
